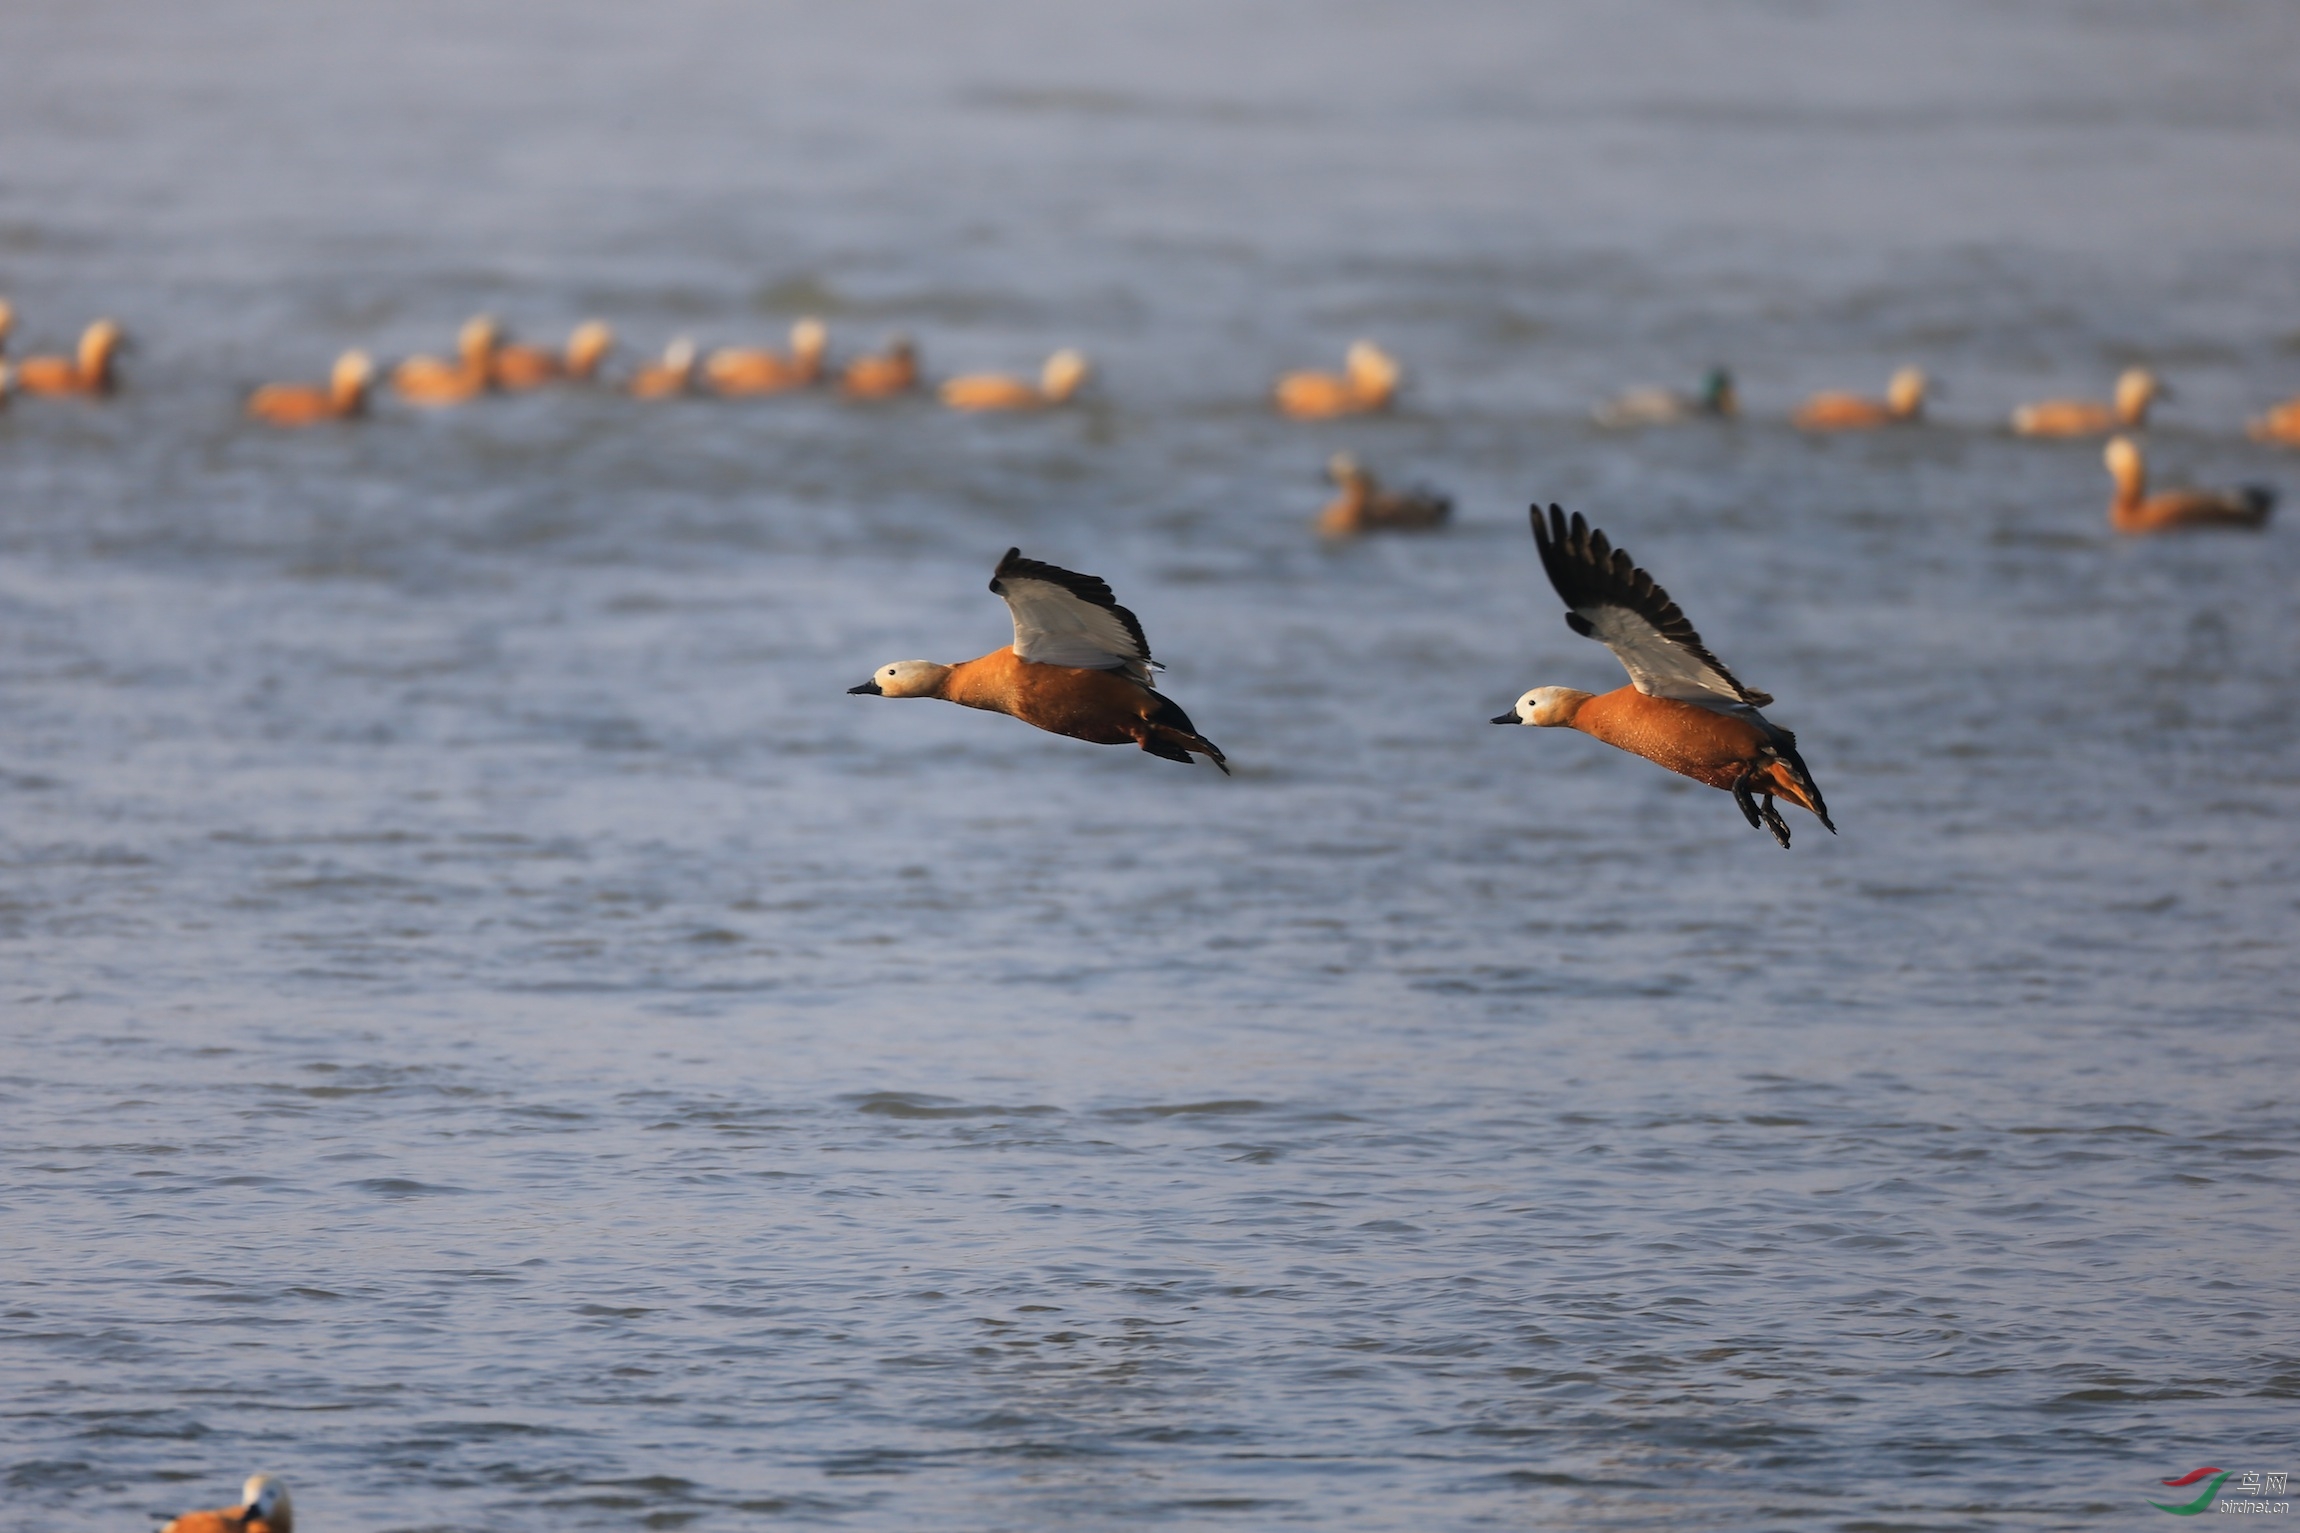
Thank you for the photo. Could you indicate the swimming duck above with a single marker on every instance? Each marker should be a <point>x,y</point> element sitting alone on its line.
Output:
<point>88,372</point>
<point>673,375</point>
<point>891,372</point>
<point>1060,379</point>
<point>2134,510</point>
<point>749,370</point>
<point>2136,389</point>
<point>263,1508</point>
<point>1904,402</point>
<point>7,323</point>
<point>1364,506</point>
<point>427,380</point>
<point>1682,709</point>
<point>2280,423</point>
<point>343,396</point>
<point>516,367</point>
<point>1663,407</point>
<point>1368,382</point>
<point>1079,666</point>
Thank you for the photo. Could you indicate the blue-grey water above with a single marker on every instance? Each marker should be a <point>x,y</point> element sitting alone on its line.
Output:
<point>496,1037</point>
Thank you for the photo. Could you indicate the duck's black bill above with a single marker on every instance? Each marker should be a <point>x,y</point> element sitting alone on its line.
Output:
<point>1506,718</point>
<point>870,687</point>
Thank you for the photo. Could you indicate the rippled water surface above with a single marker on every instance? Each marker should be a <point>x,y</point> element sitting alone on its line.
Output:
<point>498,1038</point>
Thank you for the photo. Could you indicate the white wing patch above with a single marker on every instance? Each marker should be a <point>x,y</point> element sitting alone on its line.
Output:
<point>1657,665</point>
<point>1054,626</point>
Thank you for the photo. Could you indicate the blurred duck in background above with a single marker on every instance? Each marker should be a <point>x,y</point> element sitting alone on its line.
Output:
<point>427,380</point>
<point>516,368</point>
<point>1367,383</point>
<point>263,1508</point>
<point>7,323</point>
<point>2136,389</point>
<point>885,374</point>
<point>2281,424</point>
<point>2134,510</point>
<point>1903,404</point>
<point>343,396</point>
<point>1365,506</point>
<point>1058,381</point>
<point>754,370</point>
<point>1665,407</point>
<point>88,373</point>
<point>670,377</point>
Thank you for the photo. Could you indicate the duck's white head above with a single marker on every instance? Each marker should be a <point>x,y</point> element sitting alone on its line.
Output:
<point>2122,455</point>
<point>476,341</point>
<point>904,678</point>
<point>587,345</point>
<point>1370,367</point>
<point>1906,392</point>
<point>1546,707</point>
<point>354,371</point>
<point>1063,374</point>
<point>2136,388</point>
<point>264,1499</point>
<point>809,337</point>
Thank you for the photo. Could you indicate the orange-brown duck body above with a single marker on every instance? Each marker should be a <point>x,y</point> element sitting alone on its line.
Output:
<point>2134,511</point>
<point>736,370</point>
<point>2136,389</point>
<point>311,404</point>
<point>883,375</point>
<point>1903,404</point>
<point>436,381</point>
<point>1058,383</point>
<point>2278,423</point>
<point>264,1508</point>
<point>516,367</point>
<point>89,372</point>
<point>1367,383</point>
<point>1099,707</point>
<point>1690,740</point>
<point>671,376</point>
<point>1366,505</point>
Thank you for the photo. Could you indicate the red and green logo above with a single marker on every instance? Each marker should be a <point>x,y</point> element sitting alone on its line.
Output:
<point>2203,1503</point>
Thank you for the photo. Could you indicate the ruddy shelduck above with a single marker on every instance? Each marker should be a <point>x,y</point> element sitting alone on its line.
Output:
<point>1058,383</point>
<point>435,381</point>
<point>2134,510</point>
<point>1079,666</point>
<point>343,396</point>
<point>1682,709</point>
<point>1364,505</point>
<point>752,370</point>
<point>1665,407</point>
<point>516,367</point>
<point>7,323</point>
<point>669,377</point>
<point>1903,404</point>
<point>2136,389</point>
<point>87,372</point>
<point>1368,382</point>
<point>264,1508</point>
<point>2279,423</point>
<point>885,374</point>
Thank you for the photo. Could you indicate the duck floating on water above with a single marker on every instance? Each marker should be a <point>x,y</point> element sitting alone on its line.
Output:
<point>1666,407</point>
<point>1079,666</point>
<point>1682,709</point>
<point>884,375</point>
<point>263,1508</point>
<point>754,370</point>
<point>1059,380</point>
<point>1364,505</point>
<point>1903,404</point>
<point>1367,383</point>
<point>670,376</point>
<point>437,381</point>
<point>516,368</point>
<point>89,372</point>
<point>2133,510</point>
<point>2278,423</point>
<point>343,396</point>
<point>2136,389</point>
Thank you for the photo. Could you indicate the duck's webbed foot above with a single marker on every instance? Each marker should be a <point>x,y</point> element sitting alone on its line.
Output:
<point>1748,804</point>
<point>1774,823</point>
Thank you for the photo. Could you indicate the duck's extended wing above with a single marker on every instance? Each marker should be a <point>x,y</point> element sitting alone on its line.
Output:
<point>1064,618</point>
<point>1609,599</point>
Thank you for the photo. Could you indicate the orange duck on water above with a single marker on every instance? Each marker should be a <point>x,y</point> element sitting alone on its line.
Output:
<point>2279,423</point>
<point>1903,404</point>
<point>885,375</point>
<point>1365,506</point>
<point>89,372</point>
<point>670,377</point>
<point>1079,666</point>
<point>1682,709</point>
<point>2134,510</point>
<point>263,1508</point>
<point>2136,389</point>
<point>515,367</point>
<point>426,380</point>
<point>1367,383</point>
<point>343,396</point>
<point>751,370</point>
<point>1058,382</point>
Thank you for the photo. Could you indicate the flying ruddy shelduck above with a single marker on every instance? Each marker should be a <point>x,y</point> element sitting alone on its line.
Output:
<point>516,367</point>
<point>343,396</point>
<point>263,1508</point>
<point>88,371</point>
<point>2134,510</point>
<point>1079,666</point>
<point>1903,404</point>
<point>1368,382</point>
<point>2136,389</point>
<point>427,380</point>
<point>1058,381</point>
<point>754,370</point>
<point>1682,709</point>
